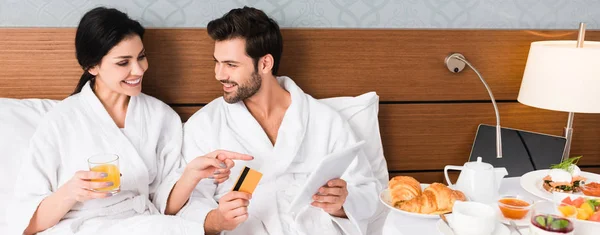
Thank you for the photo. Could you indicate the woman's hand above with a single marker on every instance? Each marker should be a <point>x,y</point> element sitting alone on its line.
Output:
<point>215,165</point>
<point>79,188</point>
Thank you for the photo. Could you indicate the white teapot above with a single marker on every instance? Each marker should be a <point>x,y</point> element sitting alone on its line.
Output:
<point>479,181</point>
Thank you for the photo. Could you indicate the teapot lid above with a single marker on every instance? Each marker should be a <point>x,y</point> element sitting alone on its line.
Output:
<point>478,165</point>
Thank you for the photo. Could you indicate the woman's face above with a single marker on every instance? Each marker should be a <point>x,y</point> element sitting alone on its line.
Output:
<point>122,69</point>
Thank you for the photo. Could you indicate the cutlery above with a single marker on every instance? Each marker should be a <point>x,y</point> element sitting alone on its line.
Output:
<point>513,225</point>
<point>446,221</point>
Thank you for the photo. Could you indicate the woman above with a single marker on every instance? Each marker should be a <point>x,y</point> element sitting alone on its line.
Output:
<point>56,193</point>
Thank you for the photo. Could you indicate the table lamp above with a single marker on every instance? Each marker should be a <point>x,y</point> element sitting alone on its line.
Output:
<point>456,62</point>
<point>563,76</point>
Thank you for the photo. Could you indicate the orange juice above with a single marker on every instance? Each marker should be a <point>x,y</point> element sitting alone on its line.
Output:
<point>113,176</point>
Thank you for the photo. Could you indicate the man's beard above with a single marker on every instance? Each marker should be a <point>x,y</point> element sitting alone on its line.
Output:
<point>244,91</point>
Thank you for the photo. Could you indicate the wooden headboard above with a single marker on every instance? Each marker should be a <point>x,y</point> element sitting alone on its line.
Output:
<point>428,116</point>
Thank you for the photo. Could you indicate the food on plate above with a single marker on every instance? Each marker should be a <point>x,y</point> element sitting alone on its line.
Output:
<point>435,199</point>
<point>564,177</point>
<point>513,207</point>
<point>567,210</point>
<point>591,189</point>
<point>586,209</point>
<point>550,224</point>
<point>403,188</point>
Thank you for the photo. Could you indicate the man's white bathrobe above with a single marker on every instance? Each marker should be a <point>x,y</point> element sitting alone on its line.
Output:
<point>309,131</point>
<point>149,150</point>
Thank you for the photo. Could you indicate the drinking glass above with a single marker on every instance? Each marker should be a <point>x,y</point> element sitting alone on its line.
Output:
<point>109,164</point>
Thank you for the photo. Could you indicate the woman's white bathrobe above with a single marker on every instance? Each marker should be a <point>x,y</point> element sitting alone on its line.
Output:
<point>149,150</point>
<point>309,131</point>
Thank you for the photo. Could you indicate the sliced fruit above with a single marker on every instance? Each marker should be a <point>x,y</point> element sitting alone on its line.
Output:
<point>578,202</point>
<point>568,210</point>
<point>587,208</point>
<point>582,214</point>
<point>595,217</point>
<point>560,225</point>
<point>567,200</point>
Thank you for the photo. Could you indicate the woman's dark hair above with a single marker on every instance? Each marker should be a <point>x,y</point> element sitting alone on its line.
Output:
<point>98,32</point>
<point>261,33</point>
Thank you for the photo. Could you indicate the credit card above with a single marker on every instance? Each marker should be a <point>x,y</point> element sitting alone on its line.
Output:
<point>247,181</point>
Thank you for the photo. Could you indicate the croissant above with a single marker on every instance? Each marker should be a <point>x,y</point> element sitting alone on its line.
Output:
<point>436,199</point>
<point>403,188</point>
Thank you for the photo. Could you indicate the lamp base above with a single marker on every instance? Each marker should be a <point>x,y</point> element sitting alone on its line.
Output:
<point>568,136</point>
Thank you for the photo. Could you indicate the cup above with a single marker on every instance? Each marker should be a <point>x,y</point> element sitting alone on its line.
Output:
<point>109,164</point>
<point>473,218</point>
<point>547,218</point>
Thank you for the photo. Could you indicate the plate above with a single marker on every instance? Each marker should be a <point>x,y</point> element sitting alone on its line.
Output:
<point>520,223</point>
<point>444,229</point>
<point>532,182</point>
<point>386,199</point>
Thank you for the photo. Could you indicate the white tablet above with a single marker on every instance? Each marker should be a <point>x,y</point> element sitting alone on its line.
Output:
<point>331,167</point>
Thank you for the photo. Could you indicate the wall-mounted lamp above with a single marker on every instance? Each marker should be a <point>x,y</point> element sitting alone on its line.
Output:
<point>456,63</point>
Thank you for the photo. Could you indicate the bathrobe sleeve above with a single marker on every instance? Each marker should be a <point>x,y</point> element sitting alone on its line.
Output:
<point>361,202</point>
<point>37,177</point>
<point>168,153</point>
<point>195,143</point>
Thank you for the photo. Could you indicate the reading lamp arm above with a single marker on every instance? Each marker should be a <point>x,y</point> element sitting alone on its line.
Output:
<point>456,63</point>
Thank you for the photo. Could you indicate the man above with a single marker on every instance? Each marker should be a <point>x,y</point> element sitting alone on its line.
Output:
<point>287,131</point>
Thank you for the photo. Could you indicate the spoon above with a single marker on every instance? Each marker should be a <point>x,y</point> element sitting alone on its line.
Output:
<point>513,225</point>
<point>446,221</point>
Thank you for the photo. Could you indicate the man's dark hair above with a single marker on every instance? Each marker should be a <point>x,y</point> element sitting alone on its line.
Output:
<point>261,33</point>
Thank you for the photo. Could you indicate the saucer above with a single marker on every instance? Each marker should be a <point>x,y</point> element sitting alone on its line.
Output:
<point>445,230</point>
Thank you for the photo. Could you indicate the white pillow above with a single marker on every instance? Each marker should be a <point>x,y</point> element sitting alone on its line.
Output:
<point>18,120</point>
<point>361,112</point>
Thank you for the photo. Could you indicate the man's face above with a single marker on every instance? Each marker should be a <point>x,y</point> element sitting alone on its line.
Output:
<point>235,70</point>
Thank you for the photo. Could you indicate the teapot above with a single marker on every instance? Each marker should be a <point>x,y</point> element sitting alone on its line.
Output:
<point>479,181</point>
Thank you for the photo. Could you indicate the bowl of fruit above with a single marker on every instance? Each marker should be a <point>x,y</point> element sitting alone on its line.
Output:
<point>585,210</point>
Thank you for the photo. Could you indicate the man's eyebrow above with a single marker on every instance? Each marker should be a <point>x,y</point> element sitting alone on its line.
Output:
<point>227,61</point>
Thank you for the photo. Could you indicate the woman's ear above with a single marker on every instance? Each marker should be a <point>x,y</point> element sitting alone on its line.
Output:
<point>93,70</point>
<point>265,64</point>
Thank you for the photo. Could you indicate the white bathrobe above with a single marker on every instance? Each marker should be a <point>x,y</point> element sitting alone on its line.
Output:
<point>149,150</point>
<point>309,131</point>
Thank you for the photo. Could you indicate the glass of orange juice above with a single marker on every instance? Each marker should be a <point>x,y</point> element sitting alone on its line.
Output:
<point>109,164</point>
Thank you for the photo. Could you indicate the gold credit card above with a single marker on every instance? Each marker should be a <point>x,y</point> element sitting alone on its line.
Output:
<point>247,181</point>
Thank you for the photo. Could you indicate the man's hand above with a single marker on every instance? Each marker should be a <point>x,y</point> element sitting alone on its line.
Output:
<point>331,197</point>
<point>232,211</point>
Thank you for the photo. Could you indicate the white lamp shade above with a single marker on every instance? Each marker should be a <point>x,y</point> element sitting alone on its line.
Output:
<point>558,76</point>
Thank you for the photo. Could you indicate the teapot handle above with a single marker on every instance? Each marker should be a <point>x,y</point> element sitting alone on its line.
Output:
<point>446,168</point>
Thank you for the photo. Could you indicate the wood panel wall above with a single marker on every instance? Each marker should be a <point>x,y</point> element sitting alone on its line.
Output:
<point>428,116</point>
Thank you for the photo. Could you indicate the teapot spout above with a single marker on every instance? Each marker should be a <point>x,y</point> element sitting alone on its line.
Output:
<point>500,173</point>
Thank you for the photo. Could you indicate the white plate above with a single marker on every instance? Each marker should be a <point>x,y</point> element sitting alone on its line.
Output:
<point>520,223</point>
<point>444,229</point>
<point>532,182</point>
<point>386,199</point>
